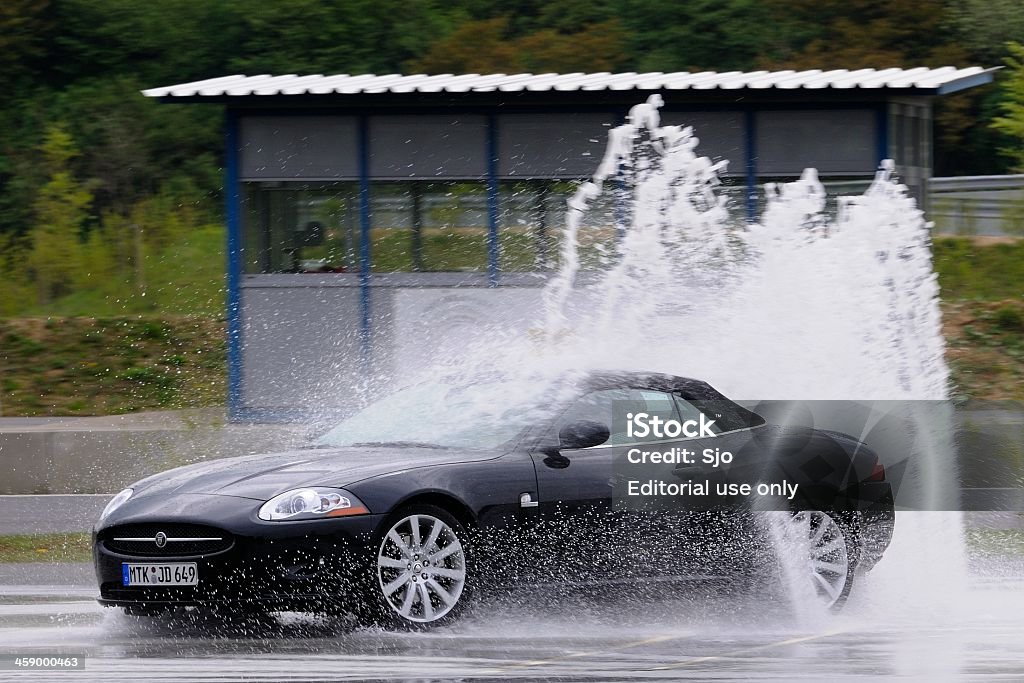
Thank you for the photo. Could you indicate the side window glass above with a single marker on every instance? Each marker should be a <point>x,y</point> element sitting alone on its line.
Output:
<point>655,404</point>
<point>728,416</point>
<point>597,406</point>
<point>611,407</point>
<point>692,410</point>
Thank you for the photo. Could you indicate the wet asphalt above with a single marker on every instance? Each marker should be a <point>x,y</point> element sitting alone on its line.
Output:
<point>890,630</point>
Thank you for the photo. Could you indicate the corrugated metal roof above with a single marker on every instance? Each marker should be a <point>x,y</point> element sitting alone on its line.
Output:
<point>936,81</point>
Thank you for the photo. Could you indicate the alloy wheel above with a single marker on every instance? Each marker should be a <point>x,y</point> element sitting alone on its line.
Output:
<point>823,547</point>
<point>421,568</point>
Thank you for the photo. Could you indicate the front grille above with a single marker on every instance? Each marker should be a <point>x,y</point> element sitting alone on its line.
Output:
<point>140,539</point>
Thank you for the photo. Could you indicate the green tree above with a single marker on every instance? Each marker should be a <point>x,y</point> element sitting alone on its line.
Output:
<point>488,46</point>
<point>355,36</point>
<point>479,46</point>
<point>17,291</point>
<point>55,257</point>
<point>25,26</point>
<point>1011,120</point>
<point>857,34</point>
<point>984,27</point>
<point>133,146</point>
<point>163,42</point>
<point>718,35</point>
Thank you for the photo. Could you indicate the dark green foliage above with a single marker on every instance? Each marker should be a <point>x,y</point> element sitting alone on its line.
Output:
<point>142,191</point>
<point>88,366</point>
<point>1009,318</point>
<point>354,36</point>
<point>1011,122</point>
<point>700,34</point>
<point>970,270</point>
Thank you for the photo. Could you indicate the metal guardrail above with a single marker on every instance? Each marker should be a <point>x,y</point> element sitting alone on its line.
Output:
<point>977,205</point>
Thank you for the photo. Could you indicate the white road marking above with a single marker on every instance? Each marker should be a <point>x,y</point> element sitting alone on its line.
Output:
<point>746,650</point>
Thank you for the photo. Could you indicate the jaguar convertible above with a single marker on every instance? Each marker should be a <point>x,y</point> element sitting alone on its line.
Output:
<point>435,495</point>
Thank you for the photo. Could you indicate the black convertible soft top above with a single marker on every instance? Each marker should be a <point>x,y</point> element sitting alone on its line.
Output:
<point>651,380</point>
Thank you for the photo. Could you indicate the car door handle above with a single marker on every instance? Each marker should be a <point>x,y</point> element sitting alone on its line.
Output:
<point>526,501</point>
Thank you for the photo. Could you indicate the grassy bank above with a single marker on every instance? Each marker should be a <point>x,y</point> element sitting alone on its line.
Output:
<point>46,548</point>
<point>107,365</point>
<point>982,289</point>
<point>985,348</point>
<point>103,366</point>
<point>980,269</point>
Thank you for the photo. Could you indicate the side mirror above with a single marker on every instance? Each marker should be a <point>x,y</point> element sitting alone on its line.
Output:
<point>583,434</point>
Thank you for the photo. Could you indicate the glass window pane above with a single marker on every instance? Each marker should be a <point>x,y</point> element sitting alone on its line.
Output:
<point>455,226</point>
<point>300,228</point>
<point>327,232</point>
<point>525,230</point>
<point>392,217</point>
<point>531,225</point>
<point>420,226</point>
<point>610,408</point>
<point>601,225</point>
<point>728,416</point>
<point>835,187</point>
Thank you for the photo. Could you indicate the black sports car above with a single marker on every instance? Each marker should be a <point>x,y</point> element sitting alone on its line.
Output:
<point>405,509</point>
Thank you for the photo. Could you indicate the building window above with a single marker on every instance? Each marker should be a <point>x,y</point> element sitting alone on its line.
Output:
<point>835,187</point>
<point>421,226</point>
<point>430,226</point>
<point>301,227</point>
<point>531,218</point>
<point>532,222</point>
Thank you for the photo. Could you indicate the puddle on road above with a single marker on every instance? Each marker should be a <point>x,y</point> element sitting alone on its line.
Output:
<point>662,640</point>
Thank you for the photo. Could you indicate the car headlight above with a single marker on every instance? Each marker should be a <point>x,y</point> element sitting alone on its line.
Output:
<point>311,503</point>
<point>116,502</point>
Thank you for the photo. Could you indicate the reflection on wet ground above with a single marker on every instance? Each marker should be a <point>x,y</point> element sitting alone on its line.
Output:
<point>976,634</point>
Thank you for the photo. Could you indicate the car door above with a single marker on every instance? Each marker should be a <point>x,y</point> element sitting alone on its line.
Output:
<point>582,533</point>
<point>711,535</point>
<point>732,433</point>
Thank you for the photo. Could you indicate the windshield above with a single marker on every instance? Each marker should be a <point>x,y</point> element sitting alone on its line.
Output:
<point>482,416</point>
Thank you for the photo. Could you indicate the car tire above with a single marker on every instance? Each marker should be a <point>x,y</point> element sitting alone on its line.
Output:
<point>827,548</point>
<point>421,569</point>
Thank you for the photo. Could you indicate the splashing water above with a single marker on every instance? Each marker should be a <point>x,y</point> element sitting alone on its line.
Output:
<point>796,306</point>
<point>799,306</point>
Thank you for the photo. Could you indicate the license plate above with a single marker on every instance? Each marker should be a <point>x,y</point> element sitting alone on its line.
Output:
<point>164,574</point>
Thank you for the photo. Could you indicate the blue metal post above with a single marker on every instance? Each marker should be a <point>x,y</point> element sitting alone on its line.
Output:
<point>492,201</point>
<point>365,341</point>
<point>621,195</point>
<point>232,213</point>
<point>882,132</point>
<point>750,124</point>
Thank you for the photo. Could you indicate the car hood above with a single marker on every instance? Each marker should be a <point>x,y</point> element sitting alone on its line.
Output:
<point>262,476</point>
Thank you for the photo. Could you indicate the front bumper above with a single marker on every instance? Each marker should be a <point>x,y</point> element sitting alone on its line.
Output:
<point>318,566</point>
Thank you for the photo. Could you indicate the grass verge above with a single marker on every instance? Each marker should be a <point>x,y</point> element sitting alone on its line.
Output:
<point>985,348</point>
<point>68,366</point>
<point>979,269</point>
<point>46,548</point>
<point>107,366</point>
